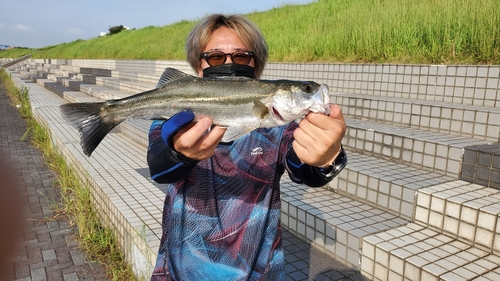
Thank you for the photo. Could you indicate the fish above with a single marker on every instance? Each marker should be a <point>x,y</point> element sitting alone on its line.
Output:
<point>239,104</point>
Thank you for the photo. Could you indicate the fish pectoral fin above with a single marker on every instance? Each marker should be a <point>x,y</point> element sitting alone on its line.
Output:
<point>233,133</point>
<point>259,109</point>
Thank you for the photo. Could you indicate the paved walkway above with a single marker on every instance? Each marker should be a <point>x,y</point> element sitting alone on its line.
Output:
<point>47,249</point>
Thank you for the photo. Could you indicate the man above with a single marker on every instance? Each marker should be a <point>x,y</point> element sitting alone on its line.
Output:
<point>222,207</point>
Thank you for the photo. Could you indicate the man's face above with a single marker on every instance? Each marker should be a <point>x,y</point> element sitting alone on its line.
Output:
<point>224,40</point>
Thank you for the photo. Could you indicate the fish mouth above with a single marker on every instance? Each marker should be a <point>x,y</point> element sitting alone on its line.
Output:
<point>321,100</point>
<point>276,114</point>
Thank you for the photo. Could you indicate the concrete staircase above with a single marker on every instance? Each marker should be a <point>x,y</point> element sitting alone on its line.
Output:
<point>6,62</point>
<point>419,199</point>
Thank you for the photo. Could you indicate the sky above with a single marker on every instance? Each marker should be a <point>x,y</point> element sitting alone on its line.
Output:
<point>36,24</point>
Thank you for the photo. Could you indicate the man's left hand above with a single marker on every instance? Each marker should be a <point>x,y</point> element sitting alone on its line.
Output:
<point>318,137</point>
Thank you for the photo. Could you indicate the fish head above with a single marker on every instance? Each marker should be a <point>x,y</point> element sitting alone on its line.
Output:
<point>297,100</point>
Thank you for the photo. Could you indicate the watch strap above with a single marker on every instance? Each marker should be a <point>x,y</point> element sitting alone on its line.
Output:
<point>336,167</point>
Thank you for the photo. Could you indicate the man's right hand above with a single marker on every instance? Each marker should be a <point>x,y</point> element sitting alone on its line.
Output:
<point>195,141</point>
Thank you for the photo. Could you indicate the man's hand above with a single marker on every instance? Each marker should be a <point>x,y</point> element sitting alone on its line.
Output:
<point>318,137</point>
<point>195,141</point>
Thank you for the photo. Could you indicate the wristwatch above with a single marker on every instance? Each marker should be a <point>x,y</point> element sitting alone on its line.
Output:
<point>335,168</point>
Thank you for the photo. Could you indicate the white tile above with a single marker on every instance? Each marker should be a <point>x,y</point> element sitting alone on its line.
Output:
<point>367,267</point>
<point>469,215</point>
<point>466,231</point>
<point>382,257</point>
<point>451,276</point>
<point>486,264</point>
<point>493,258</point>
<point>437,204</point>
<point>422,214</point>
<point>424,200</point>
<point>368,250</point>
<point>381,272</point>
<point>476,269</point>
<point>436,219</point>
<point>428,276</point>
<point>411,271</point>
<point>450,225</point>
<point>484,237</point>
<point>487,220</point>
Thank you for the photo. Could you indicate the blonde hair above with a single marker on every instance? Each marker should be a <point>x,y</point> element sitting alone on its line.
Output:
<point>248,32</point>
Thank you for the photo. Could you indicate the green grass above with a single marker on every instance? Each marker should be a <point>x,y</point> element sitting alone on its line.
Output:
<point>98,241</point>
<point>15,52</point>
<point>382,31</point>
<point>402,31</point>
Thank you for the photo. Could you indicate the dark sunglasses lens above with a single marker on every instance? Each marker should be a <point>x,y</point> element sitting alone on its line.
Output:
<point>241,58</point>
<point>214,59</point>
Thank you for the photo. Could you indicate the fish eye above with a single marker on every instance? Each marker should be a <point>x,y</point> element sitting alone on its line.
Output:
<point>307,88</point>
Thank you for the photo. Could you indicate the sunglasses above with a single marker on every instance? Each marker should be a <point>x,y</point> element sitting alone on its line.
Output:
<point>215,58</point>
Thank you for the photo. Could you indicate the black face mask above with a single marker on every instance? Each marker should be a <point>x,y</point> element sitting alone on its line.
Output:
<point>229,69</point>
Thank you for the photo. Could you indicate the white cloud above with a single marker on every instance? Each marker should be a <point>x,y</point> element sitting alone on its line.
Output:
<point>23,28</point>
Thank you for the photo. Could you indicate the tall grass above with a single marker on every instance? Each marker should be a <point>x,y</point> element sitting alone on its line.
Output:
<point>402,31</point>
<point>15,52</point>
<point>149,43</point>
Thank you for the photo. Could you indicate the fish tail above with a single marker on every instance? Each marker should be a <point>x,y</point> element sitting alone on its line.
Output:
<point>88,119</point>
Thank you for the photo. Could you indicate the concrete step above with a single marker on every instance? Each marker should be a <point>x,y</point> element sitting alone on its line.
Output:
<point>414,252</point>
<point>386,185</point>
<point>335,223</point>
<point>136,76</point>
<point>102,93</point>
<point>126,86</point>
<point>125,79</point>
<point>133,66</point>
<point>463,210</point>
<point>471,121</point>
<point>437,152</point>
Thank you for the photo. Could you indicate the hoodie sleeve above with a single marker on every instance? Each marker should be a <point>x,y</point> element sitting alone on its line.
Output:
<point>165,164</point>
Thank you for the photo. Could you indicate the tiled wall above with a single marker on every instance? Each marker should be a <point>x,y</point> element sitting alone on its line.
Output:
<point>464,84</point>
<point>461,100</point>
<point>481,165</point>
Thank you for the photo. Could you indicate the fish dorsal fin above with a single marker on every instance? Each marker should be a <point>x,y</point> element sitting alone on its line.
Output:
<point>233,133</point>
<point>171,74</point>
<point>259,109</point>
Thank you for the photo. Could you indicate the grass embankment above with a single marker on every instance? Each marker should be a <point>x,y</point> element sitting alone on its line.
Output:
<point>389,31</point>
<point>383,31</point>
<point>99,242</point>
<point>15,52</point>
